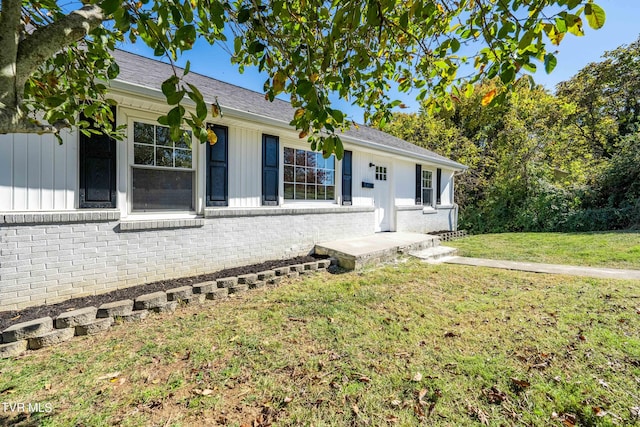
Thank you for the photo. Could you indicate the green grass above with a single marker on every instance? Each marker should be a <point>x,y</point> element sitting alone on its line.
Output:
<point>610,249</point>
<point>406,344</point>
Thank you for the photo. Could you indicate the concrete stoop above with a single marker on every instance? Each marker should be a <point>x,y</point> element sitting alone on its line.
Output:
<point>436,254</point>
<point>354,254</point>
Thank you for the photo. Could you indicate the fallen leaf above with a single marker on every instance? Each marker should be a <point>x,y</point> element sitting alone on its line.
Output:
<point>288,399</point>
<point>422,394</point>
<point>635,412</point>
<point>520,383</point>
<point>598,411</point>
<point>392,419</point>
<point>569,420</point>
<point>355,409</point>
<point>109,376</point>
<point>494,395</point>
<point>417,377</point>
<point>206,392</point>
<point>603,383</point>
<point>479,414</point>
<point>451,334</point>
<point>47,386</point>
<point>364,379</point>
<point>396,403</point>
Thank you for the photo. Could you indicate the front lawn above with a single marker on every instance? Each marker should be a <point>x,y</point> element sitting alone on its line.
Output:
<point>610,249</point>
<point>406,344</point>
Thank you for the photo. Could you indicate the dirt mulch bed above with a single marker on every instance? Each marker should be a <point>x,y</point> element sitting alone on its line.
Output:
<point>8,318</point>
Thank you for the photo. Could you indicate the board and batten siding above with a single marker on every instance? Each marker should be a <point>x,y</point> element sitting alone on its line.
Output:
<point>245,167</point>
<point>37,173</point>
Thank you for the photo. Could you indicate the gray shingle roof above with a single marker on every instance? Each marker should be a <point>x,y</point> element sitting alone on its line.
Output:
<point>149,73</point>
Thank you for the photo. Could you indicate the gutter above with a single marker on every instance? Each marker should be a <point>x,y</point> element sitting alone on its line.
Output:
<point>239,114</point>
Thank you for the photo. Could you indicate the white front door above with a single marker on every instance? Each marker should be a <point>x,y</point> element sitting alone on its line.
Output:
<point>382,198</point>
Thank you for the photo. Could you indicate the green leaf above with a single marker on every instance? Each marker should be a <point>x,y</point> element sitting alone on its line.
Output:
<point>550,62</point>
<point>255,47</point>
<point>244,15</point>
<point>455,45</point>
<point>526,40</point>
<point>337,115</point>
<point>339,148</point>
<point>169,86</point>
<point>186,36</point>
<point>187,68</point>
<point>174,117</point>
<point>507,75</point>
<point>176,97</point>
<point>113,70</point>
<point>110,6</point>
<point>595,15</point>
<point>163,120</point>
<point>175,132</point>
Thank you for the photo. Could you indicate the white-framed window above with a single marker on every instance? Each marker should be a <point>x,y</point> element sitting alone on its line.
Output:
<point>427,188</point>
<point>162,171</point>
<point>308,175</point>
<point>381,173</point>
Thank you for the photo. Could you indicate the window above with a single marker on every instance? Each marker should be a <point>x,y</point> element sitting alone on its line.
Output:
<point>308,175</point>
<point>162,170</point>
<point>381,173</point>
<point>427,190</point>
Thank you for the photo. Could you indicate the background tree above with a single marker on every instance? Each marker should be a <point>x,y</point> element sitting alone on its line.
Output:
<point>55,61</point>
<point>544,162</point>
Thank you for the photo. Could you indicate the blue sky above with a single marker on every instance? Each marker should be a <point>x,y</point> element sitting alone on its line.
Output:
<point>622,26</point>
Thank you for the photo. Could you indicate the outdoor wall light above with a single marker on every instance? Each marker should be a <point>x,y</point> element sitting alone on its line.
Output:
<point>371,165</point>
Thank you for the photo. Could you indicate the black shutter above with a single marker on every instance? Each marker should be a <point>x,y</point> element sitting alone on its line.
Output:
<point>418,184</point>
<point>347,174</point>
<point>217,168</point>
<point>270,165</point>
<point>97,170</point>
<point>438,185</point>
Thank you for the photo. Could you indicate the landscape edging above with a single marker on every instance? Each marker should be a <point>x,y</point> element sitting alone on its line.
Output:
<point>86,325</point>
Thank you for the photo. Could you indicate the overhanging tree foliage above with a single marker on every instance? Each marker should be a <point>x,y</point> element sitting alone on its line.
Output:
<point>56,62</point>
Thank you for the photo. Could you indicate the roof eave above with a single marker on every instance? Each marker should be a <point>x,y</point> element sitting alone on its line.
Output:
<point>155,94</point>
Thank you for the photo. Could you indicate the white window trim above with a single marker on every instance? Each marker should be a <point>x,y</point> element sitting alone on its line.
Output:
<point>141,117</point>
<point>304,202</point>
<point>431,203</point>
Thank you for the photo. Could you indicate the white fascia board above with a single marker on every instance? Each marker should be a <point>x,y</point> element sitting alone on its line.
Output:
<point>239,114</point>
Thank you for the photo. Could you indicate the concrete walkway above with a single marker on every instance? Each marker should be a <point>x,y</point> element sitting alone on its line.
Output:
<point>596,272</point>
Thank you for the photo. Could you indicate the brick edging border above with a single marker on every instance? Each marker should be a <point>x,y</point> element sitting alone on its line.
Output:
<point>45,332</point>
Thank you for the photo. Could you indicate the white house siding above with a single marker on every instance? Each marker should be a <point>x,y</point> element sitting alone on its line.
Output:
<point>37,173</point>
<point>419,219</point>
<point>245,166</point>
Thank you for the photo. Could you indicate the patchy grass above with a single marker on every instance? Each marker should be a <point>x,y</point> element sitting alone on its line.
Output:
<point>406,344</point>
<point>610,249</point>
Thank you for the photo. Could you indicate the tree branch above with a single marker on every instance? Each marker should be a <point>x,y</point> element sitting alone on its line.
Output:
<point>13,120</point>
<point>10,26</point>
<point>43,43</point>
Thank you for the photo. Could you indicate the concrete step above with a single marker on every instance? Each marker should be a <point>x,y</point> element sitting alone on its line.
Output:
<point>435,254</point>
<point>370,250</point>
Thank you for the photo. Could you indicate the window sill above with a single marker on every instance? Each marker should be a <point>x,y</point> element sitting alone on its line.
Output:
<point>283,210</point>
<point>427,210</point>
<point>157,223</point>
<point>55,217</point>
